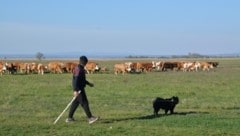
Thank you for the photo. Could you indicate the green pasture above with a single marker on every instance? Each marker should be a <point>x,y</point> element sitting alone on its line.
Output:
<point>209,103</point>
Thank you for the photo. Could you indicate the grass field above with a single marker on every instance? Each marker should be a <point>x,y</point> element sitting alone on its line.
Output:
<point>209,103</point>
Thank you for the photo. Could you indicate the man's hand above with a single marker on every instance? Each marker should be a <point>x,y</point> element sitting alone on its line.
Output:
<point>91,84</point>
<point>75,93</point>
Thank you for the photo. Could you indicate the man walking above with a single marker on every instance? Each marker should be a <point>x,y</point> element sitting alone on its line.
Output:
<point>79,82</point>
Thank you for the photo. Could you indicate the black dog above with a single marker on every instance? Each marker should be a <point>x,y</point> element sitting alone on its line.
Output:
<point>166,104</point>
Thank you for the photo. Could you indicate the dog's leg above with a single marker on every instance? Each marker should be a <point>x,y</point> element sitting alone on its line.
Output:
<point>171,110</point>
<point>166,111</point>
<point>156,111</point>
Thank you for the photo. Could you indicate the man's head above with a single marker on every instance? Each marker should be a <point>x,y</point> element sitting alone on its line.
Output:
<point>83,60</point>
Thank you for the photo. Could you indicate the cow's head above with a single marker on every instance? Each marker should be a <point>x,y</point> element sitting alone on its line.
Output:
<point>97,68</point>
<point>158,65</point>
<point>4,68</point>
<point>211,66</point>
<point>127,66</point>
<point>153,64</point>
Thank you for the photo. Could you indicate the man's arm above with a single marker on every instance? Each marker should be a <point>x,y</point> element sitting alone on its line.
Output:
<point>90,84</point>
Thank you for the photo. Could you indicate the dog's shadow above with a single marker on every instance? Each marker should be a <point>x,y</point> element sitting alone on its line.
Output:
<point>147,117</point>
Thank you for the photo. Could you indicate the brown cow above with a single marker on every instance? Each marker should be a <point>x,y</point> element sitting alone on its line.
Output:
<point>147,67</point>
<point>55,67</point>
<point>41,68</point>
<point>33,67</point>
<point>2,67</point>
<point>133,67</point>
<point>12,67</point>
<point>69,66</point>
<point>180,65</point>
<point>138,66</point>
<point>23,67</point>
<point>195,66</point>
<point>91,67</point>
<point>215,64</point>
<point>121,68</point>
<point>206,66</point>
<point>169,65</point>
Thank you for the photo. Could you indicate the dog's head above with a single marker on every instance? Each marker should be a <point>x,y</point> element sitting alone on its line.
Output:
<point>175,100</point>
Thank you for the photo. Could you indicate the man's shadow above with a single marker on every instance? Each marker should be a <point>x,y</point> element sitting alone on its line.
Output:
<point>150,117</point>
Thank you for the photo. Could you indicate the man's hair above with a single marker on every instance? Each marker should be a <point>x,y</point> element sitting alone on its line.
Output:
<point>83,60</point>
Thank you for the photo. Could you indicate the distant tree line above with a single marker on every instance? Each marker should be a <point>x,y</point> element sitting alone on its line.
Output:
<point>189,55</point>
<point>131,56</point>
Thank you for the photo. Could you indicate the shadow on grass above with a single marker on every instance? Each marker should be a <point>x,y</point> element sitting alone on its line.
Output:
<point>150,117</point>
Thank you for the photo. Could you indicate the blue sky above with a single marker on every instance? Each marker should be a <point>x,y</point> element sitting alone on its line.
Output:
<point>134,27</point>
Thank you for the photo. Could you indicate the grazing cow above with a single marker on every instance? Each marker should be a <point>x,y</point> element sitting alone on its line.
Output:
<point>129,64</point>
<point>11,67</point>
<point>214,64</point>
<point>55,67</point>
<point>2,67</point>
<point>180,65</point>
<point>33,67</point>
<point>143,66</point>
<point>121,68</point>
<point>195,66</point>
<point>147,67</point>
<point>186,66</point>
<point>158,65</point>
<point>22,67</point>
<point>41,68</point>
<point>139,66</point>
<point>169,65</point>
<point>131,67</point>
<point>191,66</point>
<point>154,64</point>
<point>206,66</point>
<point>91,67</point>
<point>69,66</point>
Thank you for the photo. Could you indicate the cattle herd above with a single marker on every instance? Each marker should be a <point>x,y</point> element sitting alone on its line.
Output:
<point>93,67</point>
<point>133,67</point>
